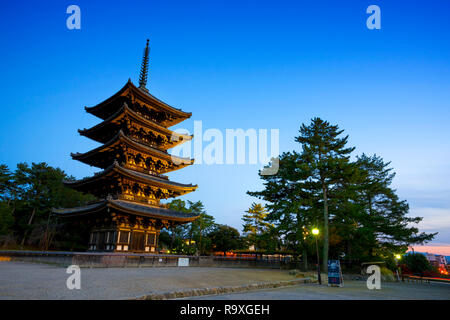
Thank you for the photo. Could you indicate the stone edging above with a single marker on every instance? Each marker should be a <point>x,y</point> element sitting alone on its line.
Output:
<point>223,290</point>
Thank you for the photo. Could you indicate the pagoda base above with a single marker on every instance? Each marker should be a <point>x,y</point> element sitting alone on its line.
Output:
<point>113,231</point>
<point>123,226</point>
<point>133,239</point>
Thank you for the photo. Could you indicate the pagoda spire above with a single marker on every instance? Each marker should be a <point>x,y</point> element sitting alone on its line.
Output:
<point>144,69</point>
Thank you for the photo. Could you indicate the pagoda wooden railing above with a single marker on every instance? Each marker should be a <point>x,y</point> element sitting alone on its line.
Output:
<point>147,142</point>
<point>144,170</point>
<point>143,200</point>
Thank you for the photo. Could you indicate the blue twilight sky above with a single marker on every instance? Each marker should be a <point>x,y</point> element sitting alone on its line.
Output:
<point>239,64</point>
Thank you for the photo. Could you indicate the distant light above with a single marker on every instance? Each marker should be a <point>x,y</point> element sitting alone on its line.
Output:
<point>315,231</point>
<point>398,257</point>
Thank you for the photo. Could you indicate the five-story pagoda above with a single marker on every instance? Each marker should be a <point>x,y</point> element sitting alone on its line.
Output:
<point>133,156</point>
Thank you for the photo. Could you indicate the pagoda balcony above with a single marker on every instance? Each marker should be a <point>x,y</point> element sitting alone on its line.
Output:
<point>143,170</point>
<point>144,200</point>
<point>151,143</point>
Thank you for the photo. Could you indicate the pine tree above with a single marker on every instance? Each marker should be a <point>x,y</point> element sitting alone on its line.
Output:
<point>201,227</point>
<point>384,215</point>
<point>325,152</point>
<point>255,224</point>
<point>26,198</point>
<point>361,214</point>
<point>6,200</point>
<point>196,230</point>
<point>290,202</point>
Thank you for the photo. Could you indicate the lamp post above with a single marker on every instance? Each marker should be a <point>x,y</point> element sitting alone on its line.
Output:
<point>397,258</point>
<point>315,232</point>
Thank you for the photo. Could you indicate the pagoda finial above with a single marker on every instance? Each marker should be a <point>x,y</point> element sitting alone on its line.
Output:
<point>144,69</point>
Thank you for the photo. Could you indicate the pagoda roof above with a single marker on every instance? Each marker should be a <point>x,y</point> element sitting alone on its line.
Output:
<point>89,156</point>
<point>102,132</point>
<point>144,178</point>
<point>104,109</point>
<point>133,208</point>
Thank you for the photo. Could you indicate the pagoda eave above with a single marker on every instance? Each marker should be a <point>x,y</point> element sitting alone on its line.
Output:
<point>102,131</point>
<point>122,206</point>
<point>99,110</point>
<point>147,179</point>
<point>90,156</point>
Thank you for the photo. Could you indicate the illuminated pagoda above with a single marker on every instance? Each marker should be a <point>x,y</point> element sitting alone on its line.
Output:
<point>133,156</point>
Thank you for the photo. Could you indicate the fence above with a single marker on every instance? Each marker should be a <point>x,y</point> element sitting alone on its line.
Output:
<point>104,260</point>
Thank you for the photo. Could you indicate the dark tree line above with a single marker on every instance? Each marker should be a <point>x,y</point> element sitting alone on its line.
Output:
<point>201,237</point>
<point>27,195</point>
<point>358,213</point>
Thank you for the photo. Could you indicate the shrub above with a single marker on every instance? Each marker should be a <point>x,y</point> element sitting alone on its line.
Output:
<point>416,263</point>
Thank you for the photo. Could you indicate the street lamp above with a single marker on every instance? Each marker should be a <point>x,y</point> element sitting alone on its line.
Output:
<point>315,232</point>
<point>397,258</point>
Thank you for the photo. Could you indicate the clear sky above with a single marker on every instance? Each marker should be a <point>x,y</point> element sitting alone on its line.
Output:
<point>239,64</point>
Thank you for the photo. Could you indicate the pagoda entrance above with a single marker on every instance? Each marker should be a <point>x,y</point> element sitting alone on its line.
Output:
<point>137,241</point>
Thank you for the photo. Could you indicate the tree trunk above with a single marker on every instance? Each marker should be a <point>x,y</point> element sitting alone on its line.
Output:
<point>305,259</point>
<point>325,230</point>
<point>29,223</point>
<point>172,239</point>
<point>46,242</point>
<point>349,252</point>
<point>200,240</point>
<point>32,216</point>
<point>191,234</point>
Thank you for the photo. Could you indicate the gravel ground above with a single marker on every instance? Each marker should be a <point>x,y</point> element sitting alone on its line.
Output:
<point>19,280</point>
<point>352,290</point>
